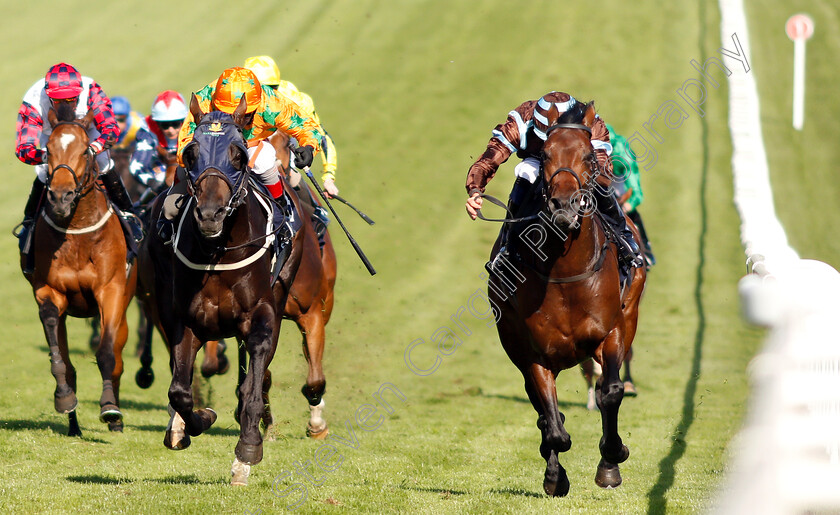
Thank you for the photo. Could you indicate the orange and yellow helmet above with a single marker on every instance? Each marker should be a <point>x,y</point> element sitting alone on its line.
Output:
<point>232,85</point>
<point>265,69</point>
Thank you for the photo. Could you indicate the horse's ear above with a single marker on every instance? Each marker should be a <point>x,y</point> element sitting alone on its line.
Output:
<point>589,115</point>
<point>195,109</point>
<point>52,117</point>
<point>239,112</point>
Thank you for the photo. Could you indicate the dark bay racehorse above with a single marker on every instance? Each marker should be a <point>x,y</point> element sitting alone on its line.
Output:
<point>80,266</point>
<point>214,280</point>
<point>562,301</point>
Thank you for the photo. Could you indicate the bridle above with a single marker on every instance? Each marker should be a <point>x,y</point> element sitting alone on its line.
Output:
<point>583,193</point>
<point>238,190</point>
<point>86,176</point>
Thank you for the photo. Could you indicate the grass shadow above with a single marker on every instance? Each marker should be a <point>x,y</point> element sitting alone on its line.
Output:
<point>442,491</point>
<point>141,406</point>
<point>191,479</point>
<point>657,495</point>
<point>517,491</point>
<point>59,428</point>
<point>73,351</point>
<point>524,400</point>
<point>98,480</point>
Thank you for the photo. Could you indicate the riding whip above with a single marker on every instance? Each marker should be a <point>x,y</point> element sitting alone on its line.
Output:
<point>365,217</point>
<point>337,219</point>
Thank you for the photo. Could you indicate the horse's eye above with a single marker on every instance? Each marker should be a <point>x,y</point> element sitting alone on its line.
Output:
<point>238,157</point>
<point>190,155</point>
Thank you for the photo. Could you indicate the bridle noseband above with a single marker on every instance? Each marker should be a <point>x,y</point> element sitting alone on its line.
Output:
<point>80,183</point>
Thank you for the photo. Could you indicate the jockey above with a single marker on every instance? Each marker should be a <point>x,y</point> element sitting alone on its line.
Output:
<point>524,133</point>
<point>63,83</point>
<point>162,127</point>
<point>268,74</point>
<point>129,122</point>
<point>628,186</point>
<point>266,112</point>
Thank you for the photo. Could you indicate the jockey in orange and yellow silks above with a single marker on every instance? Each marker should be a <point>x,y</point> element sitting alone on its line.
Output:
<point>266,113</point>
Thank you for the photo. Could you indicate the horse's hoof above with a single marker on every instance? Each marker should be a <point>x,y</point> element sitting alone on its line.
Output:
<point>224,365</point>
<point>249,454</point>
<point>74,431</point>
<point>144,377</point>
<point>115,427</point>
<point>176,440</point>
<point>208,417</point>
<point>559,487</point>
<point>608,475</point>
<point>239,473</point>
<point>317,434</point>
<point>110,414</point>
<point>629,389</point>
<point>66,403</point>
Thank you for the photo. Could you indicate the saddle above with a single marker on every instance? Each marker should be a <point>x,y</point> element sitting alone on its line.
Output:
<point>286,222</point>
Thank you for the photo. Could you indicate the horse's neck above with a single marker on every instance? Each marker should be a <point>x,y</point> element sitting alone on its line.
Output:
<point>577,252</point>
<point>91,207</point>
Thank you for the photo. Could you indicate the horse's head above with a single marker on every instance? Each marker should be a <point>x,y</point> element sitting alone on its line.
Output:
<point>569,166</point>
<point>70,163</point>
<point>216,161</point>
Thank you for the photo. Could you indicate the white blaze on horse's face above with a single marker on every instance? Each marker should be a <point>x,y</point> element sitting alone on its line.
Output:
<point>66,140</point>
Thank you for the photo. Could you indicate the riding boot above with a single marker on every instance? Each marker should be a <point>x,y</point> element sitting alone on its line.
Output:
<point>628,249</point>
<point>517,196</point>
<point>173,201</point>
<point>320,217</point>
<point>650,259</point>
<point>119,196</point>
<point>24,229</point>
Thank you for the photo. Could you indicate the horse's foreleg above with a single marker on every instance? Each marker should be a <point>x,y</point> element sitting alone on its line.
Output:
<point>60,365</point>
<point>114,334</point>
<point>180,393</point>
<point>540,385</point>
<point>610,392</point>
<point>312,331</point>
<point>260,342</point>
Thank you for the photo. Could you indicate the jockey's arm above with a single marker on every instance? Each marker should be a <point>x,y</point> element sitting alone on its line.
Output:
<point>103,116</point>
<point>29,128</point>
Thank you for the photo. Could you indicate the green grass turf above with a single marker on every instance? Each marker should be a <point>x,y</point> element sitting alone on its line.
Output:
<point>410,91</point>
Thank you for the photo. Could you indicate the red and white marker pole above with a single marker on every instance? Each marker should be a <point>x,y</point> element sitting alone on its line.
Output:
<point>799,28</point>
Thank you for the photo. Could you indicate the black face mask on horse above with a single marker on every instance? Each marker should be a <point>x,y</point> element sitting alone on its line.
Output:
<point>218,152</point>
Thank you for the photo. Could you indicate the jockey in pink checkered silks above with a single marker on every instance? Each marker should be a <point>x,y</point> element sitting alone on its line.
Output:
<point>64,84</point>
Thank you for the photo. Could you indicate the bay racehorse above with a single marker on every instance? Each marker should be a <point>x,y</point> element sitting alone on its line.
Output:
<point>80,266</point>
<point>561,297</point>
<point>215,279</point>
<point>309,305</point>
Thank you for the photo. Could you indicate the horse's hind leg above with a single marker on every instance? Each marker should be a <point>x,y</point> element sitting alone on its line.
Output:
<point>591,370</point>
<point>145,375</point>
<point>609,394</point>
<point>55,331</point>
<point>629,386</point>
<point>540,385</point>
<point>312,330</point>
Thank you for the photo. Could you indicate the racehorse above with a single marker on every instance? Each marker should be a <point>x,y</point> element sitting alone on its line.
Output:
<point>141,195</point>
<point>80,266</point>
<point>571,303</point>
<point>214,280</point>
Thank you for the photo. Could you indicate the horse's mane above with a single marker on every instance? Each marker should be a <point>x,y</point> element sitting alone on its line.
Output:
<point>575,113</point>
<point>65,112</point>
